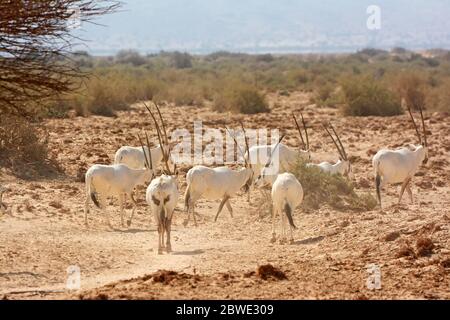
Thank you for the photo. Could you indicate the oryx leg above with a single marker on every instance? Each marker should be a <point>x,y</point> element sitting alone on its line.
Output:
<point>408,189</point>
<point>222,203</point>
<point>86,208</point>
<point>190,208</point>
<point>134,209</point>
<point>121,208</point>
<point>283,232</point>
<point>405,183</point>
<point>160,236</point>
<point>230,209</point>
<point>103,205</point>
<point>274,238</point>
<point>168,227</point>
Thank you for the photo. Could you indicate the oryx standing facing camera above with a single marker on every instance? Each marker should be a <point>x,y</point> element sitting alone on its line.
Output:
<point>162,193</point>
<point>399,166</point>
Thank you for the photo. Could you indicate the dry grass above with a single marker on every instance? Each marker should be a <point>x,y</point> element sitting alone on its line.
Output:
<point>321,188</point>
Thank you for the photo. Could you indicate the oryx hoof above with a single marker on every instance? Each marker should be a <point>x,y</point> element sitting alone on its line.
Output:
<point>169,249</point>
<point>273,240</point>
<point>160,251</point>
<point>185,222</point>
<point>128,223</point>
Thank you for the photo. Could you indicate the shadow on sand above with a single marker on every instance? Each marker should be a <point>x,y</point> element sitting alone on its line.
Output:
<point>312,240</point>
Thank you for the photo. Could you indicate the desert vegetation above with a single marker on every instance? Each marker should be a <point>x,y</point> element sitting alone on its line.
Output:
<point>369,82</point>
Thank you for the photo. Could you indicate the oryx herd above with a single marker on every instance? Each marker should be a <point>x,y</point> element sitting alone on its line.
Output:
<point>135,166</point>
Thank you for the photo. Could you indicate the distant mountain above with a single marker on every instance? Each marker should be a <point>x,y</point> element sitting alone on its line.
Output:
<point>202,26</point>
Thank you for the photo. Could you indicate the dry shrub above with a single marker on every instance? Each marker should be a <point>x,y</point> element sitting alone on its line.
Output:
<point>438,98</point>
<point>104,94</point>
<point>334,190</point>
<point>242,99</point>
<point>20,140</point>
<point>411,87</point>
<point>23,148</point>
<point>185,95</point>
<point>364,96</point>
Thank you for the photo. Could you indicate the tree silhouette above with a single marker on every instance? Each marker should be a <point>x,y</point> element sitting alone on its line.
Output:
<point>36,38</point>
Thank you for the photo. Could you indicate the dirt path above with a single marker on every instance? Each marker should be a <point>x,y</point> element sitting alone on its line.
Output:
<point>45,232</point>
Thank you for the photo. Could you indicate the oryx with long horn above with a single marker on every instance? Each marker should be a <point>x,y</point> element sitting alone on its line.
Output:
<point>162,193</point>
<point>117,180</point>
<point>400,166</point>
<point>287,195</point>
<point>288,157</point>
<point>216,183</point>
<point>343,165</point>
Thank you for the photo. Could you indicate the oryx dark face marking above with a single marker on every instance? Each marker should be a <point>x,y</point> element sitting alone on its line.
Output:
<point>155,201</point>
<point>166,199</point>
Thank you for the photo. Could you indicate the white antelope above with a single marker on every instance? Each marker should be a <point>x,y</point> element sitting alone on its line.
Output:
<point>343,165</point>
<point>116,180</point>
<point>216,183</point>
<point>400,166</point>
<point>136,157</point>
<point>287,195</point>
<point>288,157</point>
<point>162,193</point>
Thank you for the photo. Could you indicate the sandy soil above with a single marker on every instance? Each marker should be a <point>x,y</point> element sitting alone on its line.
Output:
<point>45,233</point>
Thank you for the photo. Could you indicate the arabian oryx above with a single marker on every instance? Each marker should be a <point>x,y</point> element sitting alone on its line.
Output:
<point>342,166</point>
<point>400,166</point>
<point>117,180</point>
<point>135,157</point>
<point>288,157</point>
<point>162,193</point>
<point>287,195</point>
<point>216,183</point>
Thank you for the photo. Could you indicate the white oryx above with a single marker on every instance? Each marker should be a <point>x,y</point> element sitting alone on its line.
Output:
<point>343,165</point>
<point>216,183</point>
<point>400,166</point>
<point>134,156</point>
<point>117,180</point>
<point>287,195</point>
<point>162,193</point>
<point>287,156</point>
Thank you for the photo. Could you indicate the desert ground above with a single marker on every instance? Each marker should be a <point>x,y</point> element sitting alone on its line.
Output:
<point>44,233</point>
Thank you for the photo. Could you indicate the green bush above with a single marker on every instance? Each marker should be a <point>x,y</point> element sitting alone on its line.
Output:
<point>322,188</point>
<point>364,96</point>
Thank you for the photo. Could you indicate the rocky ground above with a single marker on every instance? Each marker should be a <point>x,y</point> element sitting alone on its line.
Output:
<point>44,233</point>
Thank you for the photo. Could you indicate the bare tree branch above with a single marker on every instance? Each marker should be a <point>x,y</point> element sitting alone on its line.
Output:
<point>36,41</point>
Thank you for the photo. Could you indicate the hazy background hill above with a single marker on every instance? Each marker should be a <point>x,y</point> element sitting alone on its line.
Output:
<point>202,26</point>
